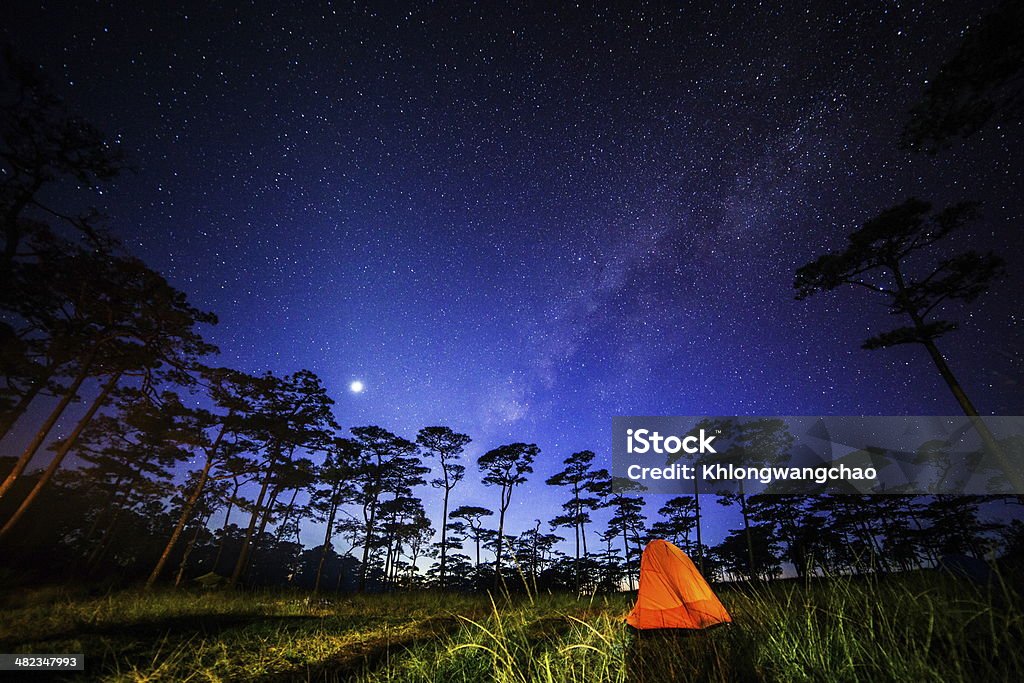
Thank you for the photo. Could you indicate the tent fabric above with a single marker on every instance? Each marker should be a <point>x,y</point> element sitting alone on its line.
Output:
<point>672,592</point>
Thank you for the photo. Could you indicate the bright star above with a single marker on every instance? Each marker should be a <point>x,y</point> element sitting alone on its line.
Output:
<point>356,387</point>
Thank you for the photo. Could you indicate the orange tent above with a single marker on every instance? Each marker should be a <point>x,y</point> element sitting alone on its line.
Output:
<point>672,593</point>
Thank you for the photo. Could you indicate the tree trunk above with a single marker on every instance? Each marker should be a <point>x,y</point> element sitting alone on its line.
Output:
<point>533,563</point>
<point>576,565</point>
<point>327,540</point>
<point>414,556</point>
<point>186,511</point>
<point>625,550</point>
<point>288,511</point>
<point>262,531</point>
<point>44,430</point>
<point>501,544</point>
<point>606,565</point>
<point>444,535</point>
<point>700,543</point>
<point>746,531</point>
<point>186,514</point>
<point>267,513</point>
<point>188,550</point>
<point>366,547</point>
<point>991,445</point>
<point>58,457</point>
<point>243,553</point>
<point>533,556</point>
<point>389,566</point>
<point>1012,475</point>
<point>583,535</point>
<point>224,528</point>
<point>12,231</point>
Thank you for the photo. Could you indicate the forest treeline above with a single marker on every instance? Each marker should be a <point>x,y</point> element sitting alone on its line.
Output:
<point>114,393</point>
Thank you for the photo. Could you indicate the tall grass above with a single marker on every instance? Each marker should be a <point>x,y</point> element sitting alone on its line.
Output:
<point>924,628</point>
<point>911,628</point>
<point>174,636</point>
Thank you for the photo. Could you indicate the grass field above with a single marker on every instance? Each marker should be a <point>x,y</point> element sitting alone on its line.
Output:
<point>913,628</point>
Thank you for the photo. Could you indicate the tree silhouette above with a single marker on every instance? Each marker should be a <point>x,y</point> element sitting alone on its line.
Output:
<point>134,449</point>
<point>109,316</point>
<point>761,563</point>
<point>402,522</point>
<point>217,435</point>
<point>190,425</point>
<point>678,518</point>
<point>697,459</point>
<point>42,143</point>
<point>447,445</point>
<point>954,526</point>
<point>241,469</point>
<point>386,465</point>
<point>787,516</point>
<point>335,475</point>
<point>875,259</point>
<point>506,467</point>
<point>879,256</point>
<point>753,443</point>
<point>627,520</point>
<point>581,481</point>
<point>213,497</point>
<point>36,351</point>
<point>533,551</point>
<point>473,516</point>
<point>124,320</point>
<point>293,413</point>
<point>295,475</point>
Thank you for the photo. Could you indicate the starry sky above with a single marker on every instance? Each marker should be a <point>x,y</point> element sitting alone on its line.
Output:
<point>521,221</point>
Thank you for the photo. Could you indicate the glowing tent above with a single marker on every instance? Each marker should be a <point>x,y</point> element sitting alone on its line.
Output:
<point>672,592</point>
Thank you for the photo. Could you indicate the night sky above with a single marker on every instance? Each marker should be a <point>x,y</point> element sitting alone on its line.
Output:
<point>521,222</point>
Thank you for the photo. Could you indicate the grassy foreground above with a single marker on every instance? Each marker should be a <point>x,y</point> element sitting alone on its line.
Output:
<point>914,628</point>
